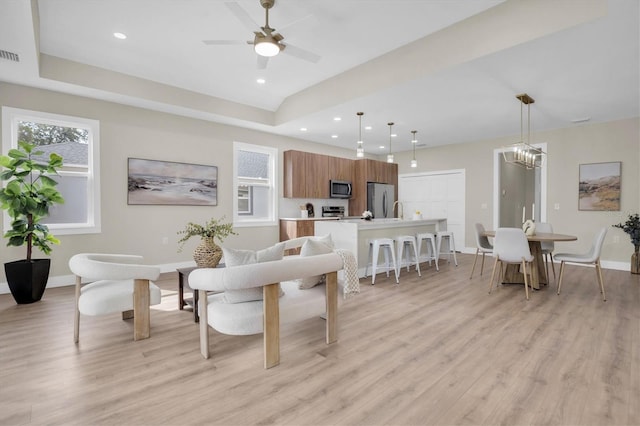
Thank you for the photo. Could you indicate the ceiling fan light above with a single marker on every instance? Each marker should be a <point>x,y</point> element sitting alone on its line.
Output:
<point>266,47</point>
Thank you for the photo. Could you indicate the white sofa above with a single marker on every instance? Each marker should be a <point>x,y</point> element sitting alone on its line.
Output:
<point>265,315</point>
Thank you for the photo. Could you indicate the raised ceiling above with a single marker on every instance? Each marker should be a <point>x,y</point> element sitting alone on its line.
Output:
<point>449,69</point>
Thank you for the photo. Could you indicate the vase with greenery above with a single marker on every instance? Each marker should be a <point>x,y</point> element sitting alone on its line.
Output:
<point>27,197</point>
<point>632,227</point>
<point>207,254</point>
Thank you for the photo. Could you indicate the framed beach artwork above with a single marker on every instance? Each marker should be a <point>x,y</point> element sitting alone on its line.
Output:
<point>153,182</point>
<point>599,186</point>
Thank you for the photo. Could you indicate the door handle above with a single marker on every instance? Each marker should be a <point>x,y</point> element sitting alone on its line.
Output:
<point>384,203</point>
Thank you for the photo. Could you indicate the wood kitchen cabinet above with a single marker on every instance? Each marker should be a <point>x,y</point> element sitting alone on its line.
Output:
<point>341,169</point>
<point>307,175</point>
<point>317,182</point>
<point>294,228</point>
<point>294,174</point>
<point>367,170</point>
<point>290,229</point>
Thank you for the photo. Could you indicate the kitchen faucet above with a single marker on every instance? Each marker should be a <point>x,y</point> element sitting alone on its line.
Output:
<point>400,209</point>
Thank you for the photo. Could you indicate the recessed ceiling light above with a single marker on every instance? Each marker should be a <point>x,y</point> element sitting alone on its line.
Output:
<point>393,135</point>
<point>120,36</point>
<point>381,146</point>
<point>368,127</point>
<point>337,118</point>
<point>334,136</point>
<point>261,81</point>
<point>303,129</point>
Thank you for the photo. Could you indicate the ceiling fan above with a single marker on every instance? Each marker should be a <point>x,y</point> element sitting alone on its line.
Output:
<point>266,42</point>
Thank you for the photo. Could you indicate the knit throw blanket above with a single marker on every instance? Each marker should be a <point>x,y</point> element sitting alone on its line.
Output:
<point>351,281</point>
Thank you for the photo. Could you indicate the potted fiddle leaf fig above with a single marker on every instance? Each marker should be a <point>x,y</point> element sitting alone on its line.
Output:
<point>27,196</point>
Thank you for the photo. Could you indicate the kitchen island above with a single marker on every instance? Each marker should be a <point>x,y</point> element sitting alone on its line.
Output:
<point>354,234</point>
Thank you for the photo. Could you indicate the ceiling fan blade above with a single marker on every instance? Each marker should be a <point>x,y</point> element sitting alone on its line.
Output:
<point>242,15</point>
<point>300,53</point>
<point>308,20</point>
<point>223,42</point>
<point>262,62</point>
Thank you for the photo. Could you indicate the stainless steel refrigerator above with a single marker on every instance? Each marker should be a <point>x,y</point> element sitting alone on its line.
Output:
<point>380,197</point>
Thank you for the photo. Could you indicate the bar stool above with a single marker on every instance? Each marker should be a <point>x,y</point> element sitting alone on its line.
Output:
<point>404,244</point>
<point>388,247</point>
<point>430,247</point>
<point>448,235</point>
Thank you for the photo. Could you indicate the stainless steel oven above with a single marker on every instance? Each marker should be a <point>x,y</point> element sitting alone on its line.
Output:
<point>332,211</point>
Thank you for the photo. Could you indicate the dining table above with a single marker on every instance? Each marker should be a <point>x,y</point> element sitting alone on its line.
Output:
<point>539,277</point>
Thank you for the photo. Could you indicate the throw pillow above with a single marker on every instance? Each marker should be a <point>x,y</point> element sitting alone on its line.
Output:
<point>313,247</point>
<point>325,239</point>
<point>233,257</point>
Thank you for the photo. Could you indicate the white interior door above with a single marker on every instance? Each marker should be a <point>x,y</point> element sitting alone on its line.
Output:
<point>436,195</point>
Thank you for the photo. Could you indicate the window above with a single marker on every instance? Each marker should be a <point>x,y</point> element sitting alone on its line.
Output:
<point>254,191</point>
<point>245,200</point>
<point>76,140</point>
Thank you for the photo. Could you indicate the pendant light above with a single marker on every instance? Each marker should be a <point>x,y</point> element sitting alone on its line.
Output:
<point>360,147</point>
<point>390,155</point>
<point>414,142</point>
<point>523,153</point>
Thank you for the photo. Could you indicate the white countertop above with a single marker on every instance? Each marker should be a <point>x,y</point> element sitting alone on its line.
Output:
<point>391,223</point>
<point>308,218</point>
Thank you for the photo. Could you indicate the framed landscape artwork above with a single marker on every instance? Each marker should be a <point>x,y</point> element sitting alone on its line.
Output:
<point>153,182</point>
<point>599,186</point>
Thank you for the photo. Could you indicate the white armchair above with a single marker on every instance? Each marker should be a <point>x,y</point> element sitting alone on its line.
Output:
<point>265,316</point>
<point>120,284</point>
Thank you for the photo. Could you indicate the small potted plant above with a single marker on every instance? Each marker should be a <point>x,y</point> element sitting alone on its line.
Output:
<point>207,254</point>
<point>632,227</point>
<point>27,197</point>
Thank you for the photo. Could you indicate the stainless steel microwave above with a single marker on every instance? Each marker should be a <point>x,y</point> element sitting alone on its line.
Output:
<point>339,189</point>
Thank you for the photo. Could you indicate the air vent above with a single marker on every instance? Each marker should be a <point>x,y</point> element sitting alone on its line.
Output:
<point>9,56</point>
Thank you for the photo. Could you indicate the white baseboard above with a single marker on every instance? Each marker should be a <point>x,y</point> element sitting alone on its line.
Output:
<point>606,264</point>
<point>66,280</point>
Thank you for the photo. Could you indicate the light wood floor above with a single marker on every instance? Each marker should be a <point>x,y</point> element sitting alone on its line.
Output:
<point>436,350</point>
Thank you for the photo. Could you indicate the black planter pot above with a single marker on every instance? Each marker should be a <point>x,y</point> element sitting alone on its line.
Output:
<point>27,280</point>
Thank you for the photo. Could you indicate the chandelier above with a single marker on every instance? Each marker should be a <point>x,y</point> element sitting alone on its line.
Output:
<point>523,153</point>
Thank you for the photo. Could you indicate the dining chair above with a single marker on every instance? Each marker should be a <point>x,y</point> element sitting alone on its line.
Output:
<point>482,246</point>
<point>591,257</point>
<point>120,284</point>
<point>510,245</point>
<point>547,247</point>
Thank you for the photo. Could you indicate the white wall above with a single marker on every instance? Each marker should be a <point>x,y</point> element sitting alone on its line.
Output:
<point>567,148</point>
<point>134,132</point>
